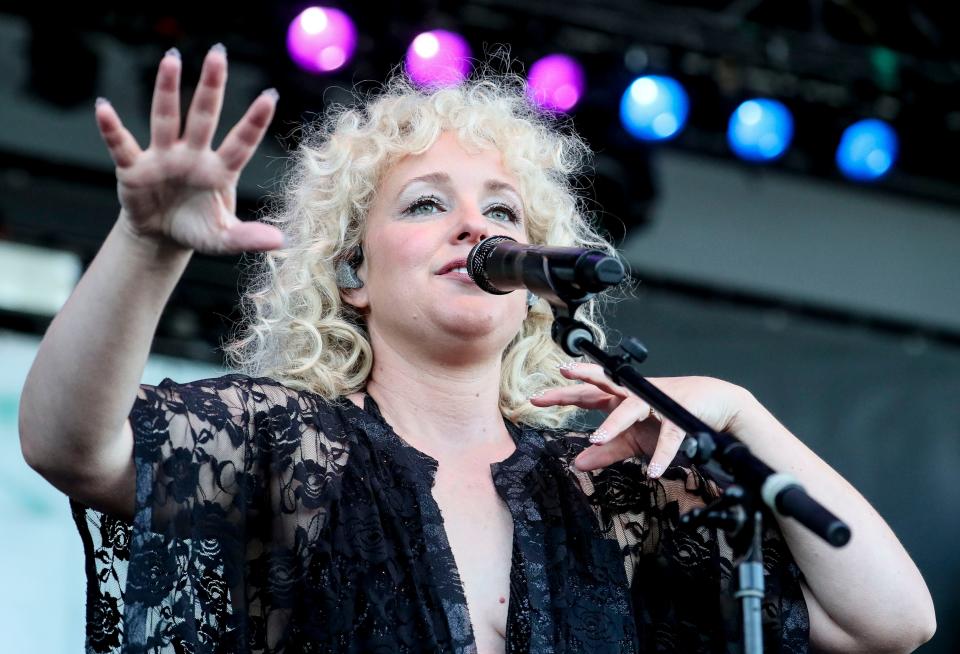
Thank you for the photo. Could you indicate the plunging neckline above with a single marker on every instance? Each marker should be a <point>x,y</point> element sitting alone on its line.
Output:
<point>527,448</point>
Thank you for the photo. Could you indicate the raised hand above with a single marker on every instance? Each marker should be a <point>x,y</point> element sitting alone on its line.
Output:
<point>179,190</point>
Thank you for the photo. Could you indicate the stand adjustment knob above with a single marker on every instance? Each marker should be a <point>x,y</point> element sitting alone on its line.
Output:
<point>636,349</point>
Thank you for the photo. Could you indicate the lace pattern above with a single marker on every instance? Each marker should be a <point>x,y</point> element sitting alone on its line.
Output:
<point>270,520</point>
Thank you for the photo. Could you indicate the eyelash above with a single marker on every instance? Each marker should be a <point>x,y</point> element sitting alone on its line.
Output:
<point>424,200</point>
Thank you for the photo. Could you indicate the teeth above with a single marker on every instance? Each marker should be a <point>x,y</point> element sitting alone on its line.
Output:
<point>461,270</point>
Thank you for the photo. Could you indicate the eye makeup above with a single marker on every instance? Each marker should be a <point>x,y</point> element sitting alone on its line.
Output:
<point>429,200</point>
<point>409,194</point>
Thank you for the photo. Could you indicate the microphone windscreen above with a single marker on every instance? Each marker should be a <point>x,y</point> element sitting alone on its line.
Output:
<point>477,263</point>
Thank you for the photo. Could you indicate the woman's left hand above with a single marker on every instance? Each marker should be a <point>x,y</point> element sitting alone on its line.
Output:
<point>632,427</point>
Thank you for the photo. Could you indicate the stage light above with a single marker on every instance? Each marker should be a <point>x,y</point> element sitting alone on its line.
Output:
<point>555,83</point>
<point>760,130</point>
<point>438,58</point>
<point>867,150</point>
<point>321,39</point>
<point>654,108</point>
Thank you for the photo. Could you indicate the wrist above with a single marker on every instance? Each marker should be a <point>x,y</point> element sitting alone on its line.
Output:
<point>753,420</point>
<point>156,249</point>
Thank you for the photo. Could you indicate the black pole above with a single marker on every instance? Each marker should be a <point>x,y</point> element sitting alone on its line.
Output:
<point>750,593</point>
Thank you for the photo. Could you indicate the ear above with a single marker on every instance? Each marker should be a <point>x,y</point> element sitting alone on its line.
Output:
<point>358,298</point>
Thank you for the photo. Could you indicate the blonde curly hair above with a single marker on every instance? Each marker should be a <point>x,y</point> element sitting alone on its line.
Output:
<point>297,329</point>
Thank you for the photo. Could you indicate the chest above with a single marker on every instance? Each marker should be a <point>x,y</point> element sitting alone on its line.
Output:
<point>479,528</point>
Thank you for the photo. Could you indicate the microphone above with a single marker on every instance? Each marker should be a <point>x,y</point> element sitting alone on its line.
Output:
<point>499,265</point>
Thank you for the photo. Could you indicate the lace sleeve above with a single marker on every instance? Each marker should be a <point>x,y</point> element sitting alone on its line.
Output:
<point>199,449</point>
<point>233,474</point>
<point>682,580</point>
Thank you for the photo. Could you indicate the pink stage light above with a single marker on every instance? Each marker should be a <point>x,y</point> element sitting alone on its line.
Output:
<point>321,39</point>
<point>438,58</point>
<point>556,83</point>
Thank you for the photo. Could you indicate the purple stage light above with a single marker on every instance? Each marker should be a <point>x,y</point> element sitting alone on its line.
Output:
<point>438,58</point>
<point>556,83</point>
<point>321,39</point>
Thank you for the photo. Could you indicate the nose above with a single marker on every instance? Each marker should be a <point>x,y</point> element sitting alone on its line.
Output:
<point>473,226</point>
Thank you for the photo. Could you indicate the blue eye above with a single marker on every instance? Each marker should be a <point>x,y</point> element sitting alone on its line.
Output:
<point>427,205</point>
<point>508,214</point>
<point>425,201</point>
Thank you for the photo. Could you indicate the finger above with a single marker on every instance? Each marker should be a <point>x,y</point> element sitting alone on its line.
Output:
<point>252,236</point>
<point>241,142</point>
<point>207,99</point>
<point>601,456</point>
<point>668,444</point>
<point>165,110</point>
<point>585,396</point>
<point>626,415</point>
<point>121,145</point>
<point>594,374</point>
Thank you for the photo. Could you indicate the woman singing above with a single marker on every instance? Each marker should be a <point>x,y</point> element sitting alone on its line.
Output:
<point>390,470</point>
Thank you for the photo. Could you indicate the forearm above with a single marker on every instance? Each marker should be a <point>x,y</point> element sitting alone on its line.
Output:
<point>870,588</point>
<point>86,373</point>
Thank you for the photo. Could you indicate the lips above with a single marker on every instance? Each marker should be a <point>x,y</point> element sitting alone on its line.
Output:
<point>452,265</point>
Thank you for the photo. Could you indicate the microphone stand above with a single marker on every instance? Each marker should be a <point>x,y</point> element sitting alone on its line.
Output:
<point>739,511</point>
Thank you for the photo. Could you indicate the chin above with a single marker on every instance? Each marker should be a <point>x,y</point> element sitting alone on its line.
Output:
<point>478,323</point>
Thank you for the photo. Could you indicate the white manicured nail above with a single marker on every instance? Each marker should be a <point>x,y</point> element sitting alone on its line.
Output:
<point>599,436</point>
<point>654,470</point>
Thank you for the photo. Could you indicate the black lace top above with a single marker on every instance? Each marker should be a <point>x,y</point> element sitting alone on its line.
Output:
<point>270,520</point>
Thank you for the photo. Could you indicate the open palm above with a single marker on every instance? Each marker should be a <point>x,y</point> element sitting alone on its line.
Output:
<point>179,189</point>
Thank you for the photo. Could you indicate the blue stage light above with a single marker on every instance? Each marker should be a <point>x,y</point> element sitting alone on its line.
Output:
<point>654,108</point>
<point>760,130</point>
<point>867,150</point>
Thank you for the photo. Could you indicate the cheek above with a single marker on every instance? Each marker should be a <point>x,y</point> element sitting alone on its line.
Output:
<point>404,249</point>
<point>416,250</point>
<point>397,254</point>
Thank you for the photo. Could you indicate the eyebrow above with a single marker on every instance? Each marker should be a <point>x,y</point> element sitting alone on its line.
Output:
<point>443,179</point>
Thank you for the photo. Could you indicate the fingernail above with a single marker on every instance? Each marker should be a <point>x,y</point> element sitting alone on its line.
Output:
<point>271,92</point>
<point>173,52</point>
<point>654,470</point>
<point>601,435</point>
<point>567,365</point>
<point>219,47</point>
<point>100,101</point>
<point>536,394</point>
